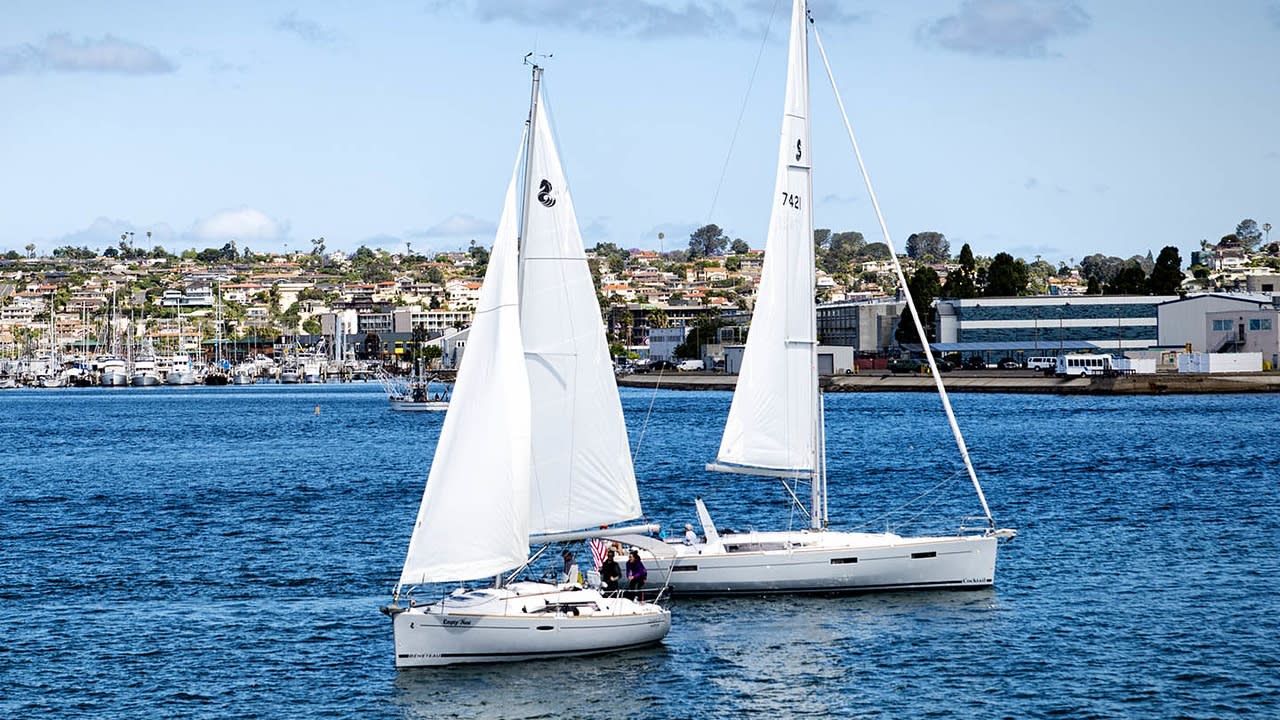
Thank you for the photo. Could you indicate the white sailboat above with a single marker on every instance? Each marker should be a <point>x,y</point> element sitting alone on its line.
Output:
<point>533,449</point>
<point>775,427</point>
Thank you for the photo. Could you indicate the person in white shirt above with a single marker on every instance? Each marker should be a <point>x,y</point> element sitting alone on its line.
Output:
<point>569,574</point>
<point>690,537</point>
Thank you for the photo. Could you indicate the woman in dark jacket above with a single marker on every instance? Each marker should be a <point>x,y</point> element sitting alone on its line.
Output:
<point>636,574</point>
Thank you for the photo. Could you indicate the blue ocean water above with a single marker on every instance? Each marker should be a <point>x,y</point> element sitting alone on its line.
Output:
<point>222,552</point>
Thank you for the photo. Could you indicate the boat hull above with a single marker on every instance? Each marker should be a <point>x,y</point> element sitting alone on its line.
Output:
<point>111,378</point>
<point>826,562</point>
<point>502,625</point>
<point>420,405</point>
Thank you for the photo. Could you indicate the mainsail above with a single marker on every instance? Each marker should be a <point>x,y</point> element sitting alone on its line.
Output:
<point>583,475</point>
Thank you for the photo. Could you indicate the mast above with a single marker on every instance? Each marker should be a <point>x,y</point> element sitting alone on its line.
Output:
<point>528,167</point>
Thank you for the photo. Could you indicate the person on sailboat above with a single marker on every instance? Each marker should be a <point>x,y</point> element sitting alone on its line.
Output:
<point>569,574</point>
<point>636,575</point>
<point>690,537</point>
<point>610,573</point>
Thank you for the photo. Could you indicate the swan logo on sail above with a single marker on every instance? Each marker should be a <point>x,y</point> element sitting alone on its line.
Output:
<point>798,153</point>
<point>544,193</point>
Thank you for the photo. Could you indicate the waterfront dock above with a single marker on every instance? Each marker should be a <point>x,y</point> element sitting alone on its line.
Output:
<point>993,381</point>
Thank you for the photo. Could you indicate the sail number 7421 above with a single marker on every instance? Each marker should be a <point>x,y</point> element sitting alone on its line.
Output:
<point>792,200</point>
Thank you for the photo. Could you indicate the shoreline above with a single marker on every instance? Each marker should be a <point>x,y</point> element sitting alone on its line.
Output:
<point>992,381</point>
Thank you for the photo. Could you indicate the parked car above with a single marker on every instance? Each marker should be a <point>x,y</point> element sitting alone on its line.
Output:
<point>688,365</point>
<point>903,365</point>
<point>1010,364</point>
<point>655,366</point>
<point>906,365</point>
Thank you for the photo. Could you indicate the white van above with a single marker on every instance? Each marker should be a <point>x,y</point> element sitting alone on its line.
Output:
<point>1083,365</point>
<point>1041,363</point>
<point>687,365</point>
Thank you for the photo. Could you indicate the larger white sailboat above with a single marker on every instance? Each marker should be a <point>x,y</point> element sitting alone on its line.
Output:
<point>533,444</point>
<point>775,427</point>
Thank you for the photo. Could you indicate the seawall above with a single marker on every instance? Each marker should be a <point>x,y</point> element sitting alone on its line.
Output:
<point>992,381</point>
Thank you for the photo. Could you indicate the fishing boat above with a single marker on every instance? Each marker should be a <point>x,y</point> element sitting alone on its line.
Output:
<point>532,451</point>
<point>775,426</point>
<point>419,393</point>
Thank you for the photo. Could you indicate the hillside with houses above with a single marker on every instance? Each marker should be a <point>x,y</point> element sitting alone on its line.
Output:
<point>224,305</point>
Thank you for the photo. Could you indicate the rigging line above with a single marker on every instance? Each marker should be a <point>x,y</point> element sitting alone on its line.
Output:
<point>733,139</point>
<point>653,397</point>
<point>902,282</point>
<point>912,501</point>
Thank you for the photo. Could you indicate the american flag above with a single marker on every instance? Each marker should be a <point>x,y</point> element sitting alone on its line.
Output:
<point>599,548</point>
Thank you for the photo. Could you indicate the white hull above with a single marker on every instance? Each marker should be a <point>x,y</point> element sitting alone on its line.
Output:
<point>523,621</point>
<point>143,380</point>
<point>420,405</point>
<point>824,562</point>
<point>289,377</point>
<point>243,379</point>
<point>111,378</point>
<point>180,377</point>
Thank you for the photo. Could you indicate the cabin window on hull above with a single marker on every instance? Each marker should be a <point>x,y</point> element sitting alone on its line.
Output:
<point>921,555</point>
<point>684,568</point>
<point>844,561</point>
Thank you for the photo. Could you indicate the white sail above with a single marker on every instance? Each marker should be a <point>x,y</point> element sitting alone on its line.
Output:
<point>583,476</point>
<point>773,422</point>
<point>473,521</point>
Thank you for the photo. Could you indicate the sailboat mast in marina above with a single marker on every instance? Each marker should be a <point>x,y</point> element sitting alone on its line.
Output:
<point>775,426</point>
<point>533,448</point>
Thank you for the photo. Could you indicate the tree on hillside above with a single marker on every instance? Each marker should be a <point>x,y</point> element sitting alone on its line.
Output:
<point>739,247</point>
<point>1249,233</point>
<point>1166,277</point>
<point>1006,276</point>
<point>875,251</point>
<point>706,241</point>
<point>924,287</point>
<point>928,245</point>
<point>1131,280</point>
<point>962,283</point>
<point>842,251</point>
<point>614,256</point>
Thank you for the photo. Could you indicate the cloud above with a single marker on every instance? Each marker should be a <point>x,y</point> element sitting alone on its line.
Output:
<point>105,232</point>
<point>595,231</point>
<point>310,31</point>
<point>640,18</point>
<point>458,226</point>
<point>1006,28</point>
<point>60,53</point>
<point>243,224</point>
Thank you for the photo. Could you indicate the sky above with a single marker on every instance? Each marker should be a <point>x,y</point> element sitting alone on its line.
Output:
<point>1044,128</point>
